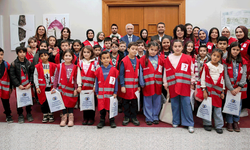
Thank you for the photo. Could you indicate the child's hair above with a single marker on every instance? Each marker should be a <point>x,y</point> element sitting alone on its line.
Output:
<point>65,41</point>
<point>76,41</point>
<point>217,50</point>
<point>132,44</point>
<point>162,41</point>
<point>202,46</point>
<point>67,30</point>
<point>210,32</point>
<point>222,38</point>
<point>107,39</point>
<point>1,50</point>
<point>183,28</point>
<point>153,43</point>
<point>104,52</point>
<point>122,42</point>
<point>229,54</point>
<point>141,41</point>
<point>196,27</point>
<point>88,48</point>
<point>116,43</point>
<point>176,41</point>
<point>97,46</point>
<point>184,51</point>
<point>68,51</point>
<point>54,38</point>
<point>43,51</point>
<point>18,49</point>
<point>31,39</point>
<point>97,36</point>
<point>115,37</point>
<point>42,43</point>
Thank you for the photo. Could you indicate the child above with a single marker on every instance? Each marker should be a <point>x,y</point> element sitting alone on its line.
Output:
<point>141,48</point>
<point>116,55</point>
<point>86,79</point>
<point>235,79</point>
<point>77,46</point>
<point>97,52</point>
<point>21,75</point>
<point>189,50</point>
<point>129,72</point>
<point>178,76</point>
<point>212,85</point>
<point>36,59</point>
<point>32,50</point>
<point>106,85</point>
<point>43,80</point>
<point>151,83</point>
<point>65,79</point>
<point>107,44</point>
<point>165,48</point>
<point>222,45</point>
<point>52,44</point>
<point>114,39</point>
<point>123,47</point>
<point>5,88</point>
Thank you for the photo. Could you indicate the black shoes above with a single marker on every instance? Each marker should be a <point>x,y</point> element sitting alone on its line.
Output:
<point>208,127</point>
<point>148,122</point>
<point>125,121</point>
<point>219,131</point>
<point>9,119</point>
<point>29,117</point>
<point>112,124</point>
<point>45,118</point>
<point>101,124</point>
<point>135,122</point>
<point>21,119</point>
<point>156,122</point>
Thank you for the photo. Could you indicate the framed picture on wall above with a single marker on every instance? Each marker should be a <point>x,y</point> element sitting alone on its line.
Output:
<point>1,32</point>
<point>22,27</point>
<point>54,23</point>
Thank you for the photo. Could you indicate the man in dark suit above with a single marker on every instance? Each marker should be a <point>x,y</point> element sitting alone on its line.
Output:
<point>161,34</point>
<point>129,37</point>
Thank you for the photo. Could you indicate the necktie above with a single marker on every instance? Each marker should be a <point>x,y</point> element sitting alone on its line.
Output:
<point>130,39</point>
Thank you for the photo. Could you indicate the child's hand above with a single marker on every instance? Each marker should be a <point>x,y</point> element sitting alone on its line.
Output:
<point>54,52</point>
<point>50,50</point>
<point>53,91</point>
<point>123,89</point>
<point>233,92</point>
<point>249,77</point>
<point>222,96</point>
<point>192,86</point>
<point>75,92</point>
<point>28,86</point>
<point>21,87</point>
<point>166,87</point>
<point>139,89</point>
<point>29,50</point>
<point>205,94</point>
<point>79,89</point>
<point>93,89</point>
<point>237,90</point>
<point>114,95</point>
<point>96,96</point>
<point>38,91</point>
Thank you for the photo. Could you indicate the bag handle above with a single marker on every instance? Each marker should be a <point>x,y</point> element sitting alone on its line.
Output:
<point>59,78</point>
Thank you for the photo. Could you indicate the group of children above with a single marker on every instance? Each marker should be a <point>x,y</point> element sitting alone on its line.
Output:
<point>120,71</point>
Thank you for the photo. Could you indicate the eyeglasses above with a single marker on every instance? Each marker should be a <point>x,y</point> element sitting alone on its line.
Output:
<point>114,47</point>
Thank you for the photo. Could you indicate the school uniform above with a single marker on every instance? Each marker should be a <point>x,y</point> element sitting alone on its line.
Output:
<point>178,77</point>
<point>90,43</point>
<point>151,80</point>
<point>235,75</point>
<point>129,72</point>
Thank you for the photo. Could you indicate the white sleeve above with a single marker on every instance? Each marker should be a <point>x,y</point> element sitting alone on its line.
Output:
<point>203,83</point>
<point>35,77</point>
<point>165,82</point>
<point>79,77</point>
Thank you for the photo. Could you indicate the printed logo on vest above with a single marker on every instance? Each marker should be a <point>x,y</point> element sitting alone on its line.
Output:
<point>229,68</point>
<point>222,80</point>
<point>245,45</point>
<point>112,80</point>
<point>184,67</point>
<point>209,46</point>
<point>168,69</point>
<point>242,49</point>
<point>127,70</point>
<point>40,79</point>
<point>52,79</point>
<point>93,68</point>
<point>241,70</point>
<point>160,69</point>
<point>145,68</point>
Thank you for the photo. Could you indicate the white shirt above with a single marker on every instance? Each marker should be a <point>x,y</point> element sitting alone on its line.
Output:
<point>131,38</point>
<point>160,36</point>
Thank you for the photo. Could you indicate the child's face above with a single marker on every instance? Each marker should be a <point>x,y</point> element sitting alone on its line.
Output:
<point>43,46</point>
<point>86,54</point>
<point>239,33</point>
<point>153,50</point>
<point>222,45</point>
<point>133,50</point>
<point>97,51</point>
<point>76,47</point>
<point>114,39</point>
<point>21,54</point>
<point>44,58</point>
<point>215,58</point>
<point>114,48</point>
<point>52,42</point>
<point>225,32</point>
<point>105,59</point>
<point>235,51</point>
<point>195,32</point>
<point>189,29</point>
<point>166,44</point>
<point>122,47</point>
<point>203,52</point>
<point>1,56</point>
<point>214,34</point>
<point>144,34</point>
<point>68,57</point>
<point>64,46</point>
<point>33,44</point>
<point>179,33</point>
<point>101,36</point>
<point>177,48</point>
<point>190,47</point>
<point>202,35</point>
<point>141,47</point>
<point>107,44</point>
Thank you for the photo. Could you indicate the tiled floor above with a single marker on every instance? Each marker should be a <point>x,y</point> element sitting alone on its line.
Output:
<point>46,136</point>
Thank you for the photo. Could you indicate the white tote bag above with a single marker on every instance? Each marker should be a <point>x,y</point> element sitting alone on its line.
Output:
<point>137,94</point>
<point>205,109</point>
<point>166,114</point>
<point>87,100</point>
<point>232,104</point>
<point>192,98</point>
<point>24,97</point>
<point>113,107</point>
<point>55,101</point>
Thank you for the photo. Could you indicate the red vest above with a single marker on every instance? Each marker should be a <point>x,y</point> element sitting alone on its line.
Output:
<point>130,78</point>
<point>88,43</point>
<point>196,46</point>
<point>67,87</point>
<point>88,79</point>
<point>231,40</point>
<point>210,47</point>
<point>179,79</point>
<point>5,84</point>
<point>243,52</point>
<point>214,90</point>
<point>42,81</point>
<point>106,87</point>
<point>24,79</point>
<point>58,61</point>
<point>152,77</point>
<point>231,76</point>
<point>117,59</point>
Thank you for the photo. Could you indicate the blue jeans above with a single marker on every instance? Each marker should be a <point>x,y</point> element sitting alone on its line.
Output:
<point>218,119</point>
<point>152,107</point>
<point>233,118</point>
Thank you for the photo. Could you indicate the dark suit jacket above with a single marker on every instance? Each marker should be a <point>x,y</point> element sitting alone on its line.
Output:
<point>125,39</point>
<point>156,37</point>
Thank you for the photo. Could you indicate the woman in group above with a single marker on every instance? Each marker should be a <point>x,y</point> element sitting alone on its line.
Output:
<point>226,32</point>
<point>190,35</point>
<point>213,38</point>
<point>180,33</point>
<point>100,39</point>
<point>90,38</point>
<point>65,35</point>
<point>144,35</point>
<point>41,34</point>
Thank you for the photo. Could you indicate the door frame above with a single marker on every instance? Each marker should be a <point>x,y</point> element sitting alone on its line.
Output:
<point>106,4</point>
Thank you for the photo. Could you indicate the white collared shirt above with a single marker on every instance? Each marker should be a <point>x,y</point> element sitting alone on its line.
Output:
<point>160,36</point>
<point>131,37</point>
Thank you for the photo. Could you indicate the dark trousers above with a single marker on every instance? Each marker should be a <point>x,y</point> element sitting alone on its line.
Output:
<point>6,106</point>
<point>45,106</point>
<point>246,102</point>
<point>90,114</point>
<point>130,108</point>
<point>103,115</point>
<point>67,110</point>
<point>20,110</point>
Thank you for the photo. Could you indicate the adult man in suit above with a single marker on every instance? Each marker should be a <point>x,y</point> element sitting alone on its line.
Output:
<point>161,34</point>
<point>129,37</point>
